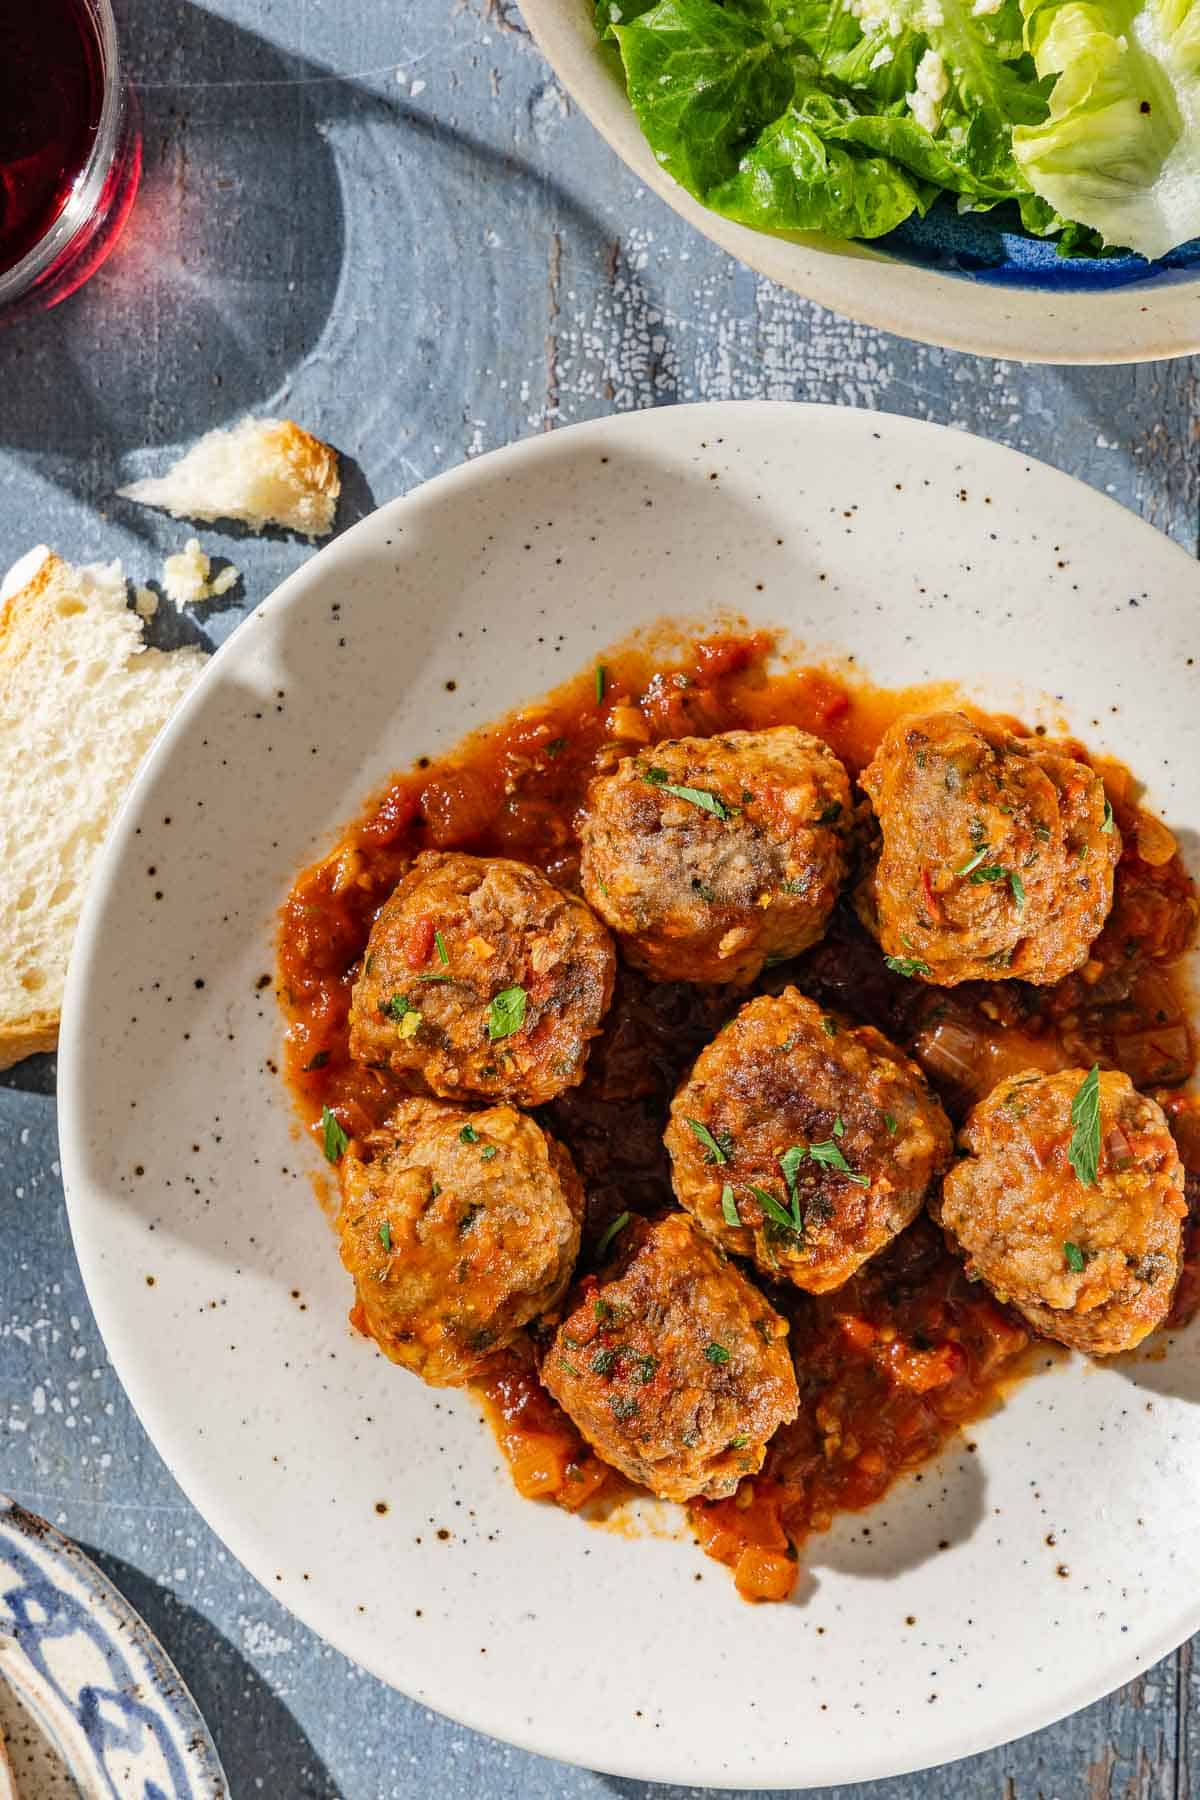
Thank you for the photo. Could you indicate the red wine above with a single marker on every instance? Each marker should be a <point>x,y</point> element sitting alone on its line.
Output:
<point>51,99</point>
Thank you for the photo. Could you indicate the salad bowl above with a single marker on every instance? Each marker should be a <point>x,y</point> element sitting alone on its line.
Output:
<point>865,238</point>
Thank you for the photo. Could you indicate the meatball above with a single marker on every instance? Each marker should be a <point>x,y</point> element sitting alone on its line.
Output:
<point>804,1142</point>
<point>674,1367</point>
<point>709,855</point>
<point>481,978</point>
<point>1091,1263</point>
<point>460,1229</point>
<point>997,853</point>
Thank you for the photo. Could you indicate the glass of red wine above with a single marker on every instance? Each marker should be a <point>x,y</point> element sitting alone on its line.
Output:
<point>70,148</point>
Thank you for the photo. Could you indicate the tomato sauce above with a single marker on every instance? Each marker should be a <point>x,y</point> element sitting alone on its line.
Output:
<point>892,1364</point>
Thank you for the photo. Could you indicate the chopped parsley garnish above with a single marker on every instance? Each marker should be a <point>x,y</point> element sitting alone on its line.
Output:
<point>907,966</point>
<point>334,1139</point>
<point>468,1135</point>
<point>1107,826</point>
<point>439,944</point>
<point>1042,833</point>
<point>977,871</point>
<point>790,1162</point>
<point>385,1235</point>
<point>568,1366</point>
<point>1076,1260</point>
<point>738,1443</point>
<point>438,977</point>
<point>772,1208</point>
<point>705,892</point>
<point>507,1013</point>
<point>435,1190</point>
<point>556,746</point>
<point>601,682</point>
<point>890,1122</point>
<point>797,884</point>
<point>645,1368</point>
<point>716,1353</point>
<point>398,1007</point>
<point>318,1062</point>
<point>618,1225</point>
<point>709,803</point>
<point>829,813</point>
<point>830,1154</point>
<point>622,1407</point>
<point>716,1150</point>
<point>729,1211</point>
<point>488,1152</point>
<point>603,1311</point>
<point>829,1026</point>
<point>973,862</point>
<point>602,1362</point>
<point>1084,1151</point>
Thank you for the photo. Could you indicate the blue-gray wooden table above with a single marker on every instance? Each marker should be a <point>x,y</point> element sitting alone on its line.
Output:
<point>385,218</point>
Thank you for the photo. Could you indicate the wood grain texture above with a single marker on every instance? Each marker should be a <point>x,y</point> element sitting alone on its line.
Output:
<point>388,221</point>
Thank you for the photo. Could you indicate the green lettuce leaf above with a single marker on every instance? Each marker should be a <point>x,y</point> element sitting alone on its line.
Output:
<point>1120,150</point>
<point>848,116</point>
<point>801,115</point>
<point>617,12</point>
<point>798,176</point>
<point>704,80</point>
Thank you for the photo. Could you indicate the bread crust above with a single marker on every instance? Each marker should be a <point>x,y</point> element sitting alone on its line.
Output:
<point>314,462</point>
<point>30,1036</point>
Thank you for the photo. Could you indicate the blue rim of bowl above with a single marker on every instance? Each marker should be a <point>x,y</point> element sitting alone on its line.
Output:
<point>145,1695</point>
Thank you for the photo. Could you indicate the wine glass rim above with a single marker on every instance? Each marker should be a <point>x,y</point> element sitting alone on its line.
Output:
<point>84,197</point>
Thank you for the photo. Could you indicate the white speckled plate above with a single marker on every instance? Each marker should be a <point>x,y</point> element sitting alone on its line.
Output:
<point>1052,1564</point>
<point>1058,317</point>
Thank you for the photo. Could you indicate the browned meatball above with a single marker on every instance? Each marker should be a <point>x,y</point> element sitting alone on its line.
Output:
<point>482,978</point>
<point>674,1367</point>
<point>709,855</point>
<point>997,852</point>
<point>459,1229</point>
<point>1091,1263</point>
<point>804,1142</point>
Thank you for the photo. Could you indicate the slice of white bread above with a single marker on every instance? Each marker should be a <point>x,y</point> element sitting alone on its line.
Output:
<point>81,700</point>
<point>262,472</point>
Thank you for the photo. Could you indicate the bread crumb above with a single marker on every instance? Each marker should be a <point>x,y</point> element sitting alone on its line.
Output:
<point>260,472</point>
<point>187,577</point>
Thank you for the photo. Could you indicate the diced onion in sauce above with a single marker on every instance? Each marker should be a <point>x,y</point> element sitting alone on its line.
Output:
<point>1155,843</point>
<point>952,1051</point>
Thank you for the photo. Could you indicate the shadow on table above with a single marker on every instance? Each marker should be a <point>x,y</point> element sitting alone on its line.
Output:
<point>259,1742</point>
<point>288,215</point>
<point>36,1075</point>
<point>240,208</point>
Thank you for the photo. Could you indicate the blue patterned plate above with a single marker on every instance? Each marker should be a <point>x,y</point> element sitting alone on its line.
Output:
<point>90,1704</point>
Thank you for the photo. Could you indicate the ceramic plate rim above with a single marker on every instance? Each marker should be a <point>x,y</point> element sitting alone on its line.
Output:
<point>1011,321</point>
<point>213,1498</point>
<point>173,1692</point>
